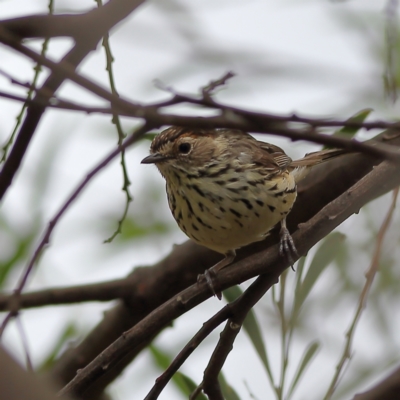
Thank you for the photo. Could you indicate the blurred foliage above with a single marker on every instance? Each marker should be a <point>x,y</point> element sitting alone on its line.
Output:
<point>349,131</point>
<point>336,265</point>
<point>70,331</point>
<point>132,230</point>
<point>181,381</point>
<point>20,249</point>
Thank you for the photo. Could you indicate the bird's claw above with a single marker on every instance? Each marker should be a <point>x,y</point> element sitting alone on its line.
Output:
<point>209,276</point>
<point>287,247</point>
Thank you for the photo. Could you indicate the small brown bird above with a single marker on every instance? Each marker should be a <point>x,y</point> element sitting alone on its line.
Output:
<point>226,189</point>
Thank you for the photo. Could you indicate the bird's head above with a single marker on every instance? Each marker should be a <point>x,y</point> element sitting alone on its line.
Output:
<point>188,149</point>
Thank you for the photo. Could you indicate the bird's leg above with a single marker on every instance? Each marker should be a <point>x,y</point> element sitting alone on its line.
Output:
<point>287,247</point>
<point>210,273</point>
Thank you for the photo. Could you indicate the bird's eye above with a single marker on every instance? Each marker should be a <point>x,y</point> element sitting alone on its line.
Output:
<point>184,148</point>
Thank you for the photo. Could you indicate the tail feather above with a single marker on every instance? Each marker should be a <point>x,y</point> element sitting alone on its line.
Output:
<point>300,168</point>
<point>317,157</point>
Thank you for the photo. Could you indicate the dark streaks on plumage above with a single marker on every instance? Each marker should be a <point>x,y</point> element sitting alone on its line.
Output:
<point>203,223</point>
<point>220,172</point>
<point>256,182</point>
<point>247,203</point>
<point>177,177</point>
<point>189,207</point>
<point>235,213</point>
<point>292,190</point>
<point>195,227</point>
<point>272,208</point>
<point>260,203</point>
<point>198,190</point>
<point>239,223</point>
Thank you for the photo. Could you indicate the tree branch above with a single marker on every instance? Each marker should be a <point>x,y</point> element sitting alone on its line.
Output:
<point>383,178</point>
<point>388,389</point>
<point>171,275</point>
<point>112,13</point>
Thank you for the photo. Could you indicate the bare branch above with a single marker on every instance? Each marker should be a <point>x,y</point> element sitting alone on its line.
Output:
<point>112,13</point>
<point>369,275</point>
<point>388,389</point>
<point>383,178</point>
<point>314,193</point>
<point>46,236</point>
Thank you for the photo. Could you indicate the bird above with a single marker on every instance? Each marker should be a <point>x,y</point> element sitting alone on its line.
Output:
<point>227,190</point>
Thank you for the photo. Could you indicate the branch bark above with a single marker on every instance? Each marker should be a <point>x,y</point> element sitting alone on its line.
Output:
<point>388,389</point>
<point>108,16</point>
<point>380,180</point>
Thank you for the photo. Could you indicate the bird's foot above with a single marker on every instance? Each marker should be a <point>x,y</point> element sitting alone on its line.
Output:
<point>210,277</point>
<point>287,247</point>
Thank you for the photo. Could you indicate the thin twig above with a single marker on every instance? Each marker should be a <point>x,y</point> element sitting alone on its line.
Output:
<point>31,89</point>
<point>231,117</point>
<point>309,233</point>
<point>184,354</point>
<point>24,341</point>
<point>209,89</point>
<point>392,53</point>
<point>284,339</point>
<point>369,275</point>
<point>53,222</point>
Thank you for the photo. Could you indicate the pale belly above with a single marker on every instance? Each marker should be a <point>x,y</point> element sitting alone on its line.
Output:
<point>226,215</point>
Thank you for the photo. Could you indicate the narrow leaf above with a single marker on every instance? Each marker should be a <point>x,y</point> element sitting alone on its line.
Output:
<point>359,117</point>
<point>68,332</point>
<point>252,328</point>
<point>227,390</point>
<point>307,357</point>
<point>325,254</point>
<point>184,384</point>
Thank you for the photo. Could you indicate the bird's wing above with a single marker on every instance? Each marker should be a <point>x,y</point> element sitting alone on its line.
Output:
<point>272,156</point>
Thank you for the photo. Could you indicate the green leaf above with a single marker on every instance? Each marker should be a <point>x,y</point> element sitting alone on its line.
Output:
<point>325,254</point>
<point>307,357</point>
<point>149,136</point>
<point>359,117</point>
<point>68,332</point>
<point>190,385</point>
<point>232,293</point>
<point>252,328</point>
<point>185,384</point>
<point>227,390</point>
<point>132,230</point>
<point>23,247</point>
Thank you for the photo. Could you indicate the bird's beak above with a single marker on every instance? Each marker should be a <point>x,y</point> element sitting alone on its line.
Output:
<point>154,159</point>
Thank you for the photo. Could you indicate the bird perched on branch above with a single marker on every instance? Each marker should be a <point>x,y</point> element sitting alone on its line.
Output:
<point>226,189</point>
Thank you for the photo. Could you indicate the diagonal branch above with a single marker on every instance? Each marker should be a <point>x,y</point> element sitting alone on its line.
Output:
<point>112,13</point>
<point>230,117</point>
<point>382,179</point>
<point>47,234</point>
<point>171,275</point>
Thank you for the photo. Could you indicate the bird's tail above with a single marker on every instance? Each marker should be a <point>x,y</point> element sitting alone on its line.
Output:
<point>301,167</point>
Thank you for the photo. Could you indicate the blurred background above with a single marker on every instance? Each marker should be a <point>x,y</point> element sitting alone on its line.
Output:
<point>316,58</point>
